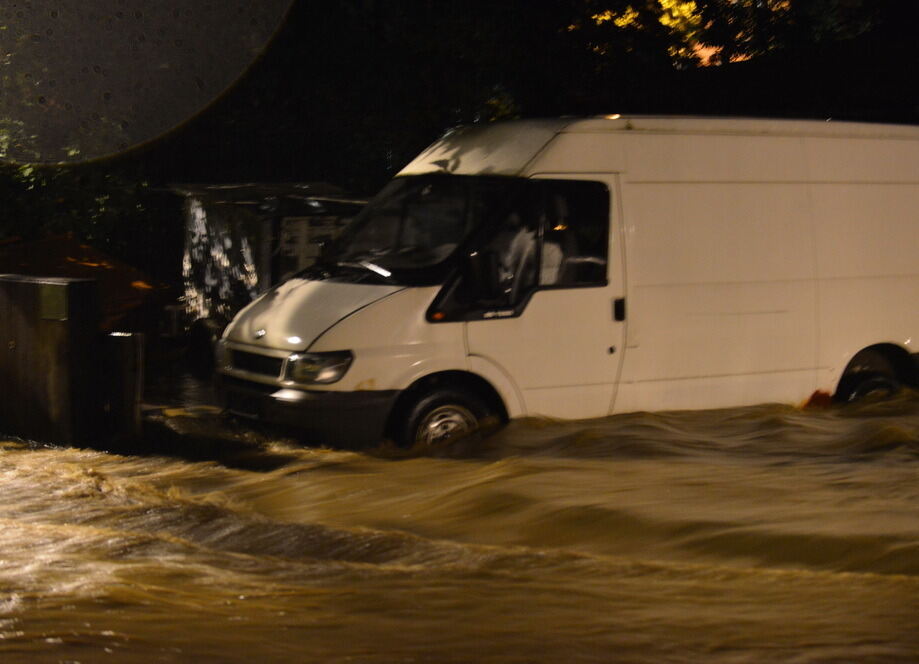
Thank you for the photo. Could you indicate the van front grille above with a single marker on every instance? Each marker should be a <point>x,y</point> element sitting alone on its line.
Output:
<point>259,364</point>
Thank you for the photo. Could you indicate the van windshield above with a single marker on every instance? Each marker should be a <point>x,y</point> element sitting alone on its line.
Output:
<point>410,233</point>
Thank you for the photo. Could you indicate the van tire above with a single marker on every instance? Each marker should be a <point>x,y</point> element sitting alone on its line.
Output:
<point>442,416</point>
<point>865,384</point>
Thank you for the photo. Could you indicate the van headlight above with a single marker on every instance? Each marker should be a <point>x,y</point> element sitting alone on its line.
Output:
<point>318,367</point>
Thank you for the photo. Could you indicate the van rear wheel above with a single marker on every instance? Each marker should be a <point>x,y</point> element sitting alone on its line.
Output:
<point>868,384</point>
<point>442,416</point>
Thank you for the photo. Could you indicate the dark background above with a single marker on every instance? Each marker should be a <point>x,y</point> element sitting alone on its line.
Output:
<point>349,90</point>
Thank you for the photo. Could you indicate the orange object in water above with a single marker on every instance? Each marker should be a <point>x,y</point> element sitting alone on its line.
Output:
<point>819,399</point>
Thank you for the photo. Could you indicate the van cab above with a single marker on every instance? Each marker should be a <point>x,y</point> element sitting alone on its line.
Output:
<point>579,268</point>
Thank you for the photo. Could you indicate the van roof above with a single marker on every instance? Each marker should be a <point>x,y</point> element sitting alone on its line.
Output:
<point>739,125</point>
<point>505,148</point>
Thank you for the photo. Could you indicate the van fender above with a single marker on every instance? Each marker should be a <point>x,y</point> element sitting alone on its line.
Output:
<point>887,357</point>
<point>426,367</point>
<point>477,365</point>
<point>504,385</point>
<point>482,371</point>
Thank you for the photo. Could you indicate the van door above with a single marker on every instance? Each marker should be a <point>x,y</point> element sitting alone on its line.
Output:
<point>560,335</point>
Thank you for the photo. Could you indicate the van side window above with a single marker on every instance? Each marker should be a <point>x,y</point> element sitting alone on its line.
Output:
<point>531,235</point>
<point>555,234</point>
<point>575,227</point>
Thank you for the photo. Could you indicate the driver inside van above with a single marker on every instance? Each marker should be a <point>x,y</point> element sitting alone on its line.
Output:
<point>517,259</point>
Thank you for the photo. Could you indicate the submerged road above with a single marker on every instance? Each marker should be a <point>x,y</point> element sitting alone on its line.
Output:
<point>764,534</point>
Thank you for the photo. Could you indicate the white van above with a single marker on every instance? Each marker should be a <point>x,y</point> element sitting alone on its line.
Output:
<point>576,268</point>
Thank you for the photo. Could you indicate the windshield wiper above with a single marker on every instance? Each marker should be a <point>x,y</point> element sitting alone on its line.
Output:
<point>371,267</point>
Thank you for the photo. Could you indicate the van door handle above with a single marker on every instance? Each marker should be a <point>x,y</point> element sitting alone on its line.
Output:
<point>619,309</point>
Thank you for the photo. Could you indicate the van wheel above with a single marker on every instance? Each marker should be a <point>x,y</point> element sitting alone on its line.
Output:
<point>865,384</point>
<point>442,416</point>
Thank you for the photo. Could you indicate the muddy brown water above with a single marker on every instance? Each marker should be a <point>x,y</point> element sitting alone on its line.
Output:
<point>763,534</point>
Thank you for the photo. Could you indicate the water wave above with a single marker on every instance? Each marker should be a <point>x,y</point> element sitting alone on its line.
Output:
<point>766,534</point>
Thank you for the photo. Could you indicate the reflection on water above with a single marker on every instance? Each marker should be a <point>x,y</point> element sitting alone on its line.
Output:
<point>763,534</point>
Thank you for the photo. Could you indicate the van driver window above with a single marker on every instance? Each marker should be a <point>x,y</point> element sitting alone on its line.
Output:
<point>528,235</point>
<point>575,223</point>
<point>553,234</point>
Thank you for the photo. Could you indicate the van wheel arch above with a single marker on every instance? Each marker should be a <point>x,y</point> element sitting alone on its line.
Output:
<point>881,368</point>
<point>483,400</point>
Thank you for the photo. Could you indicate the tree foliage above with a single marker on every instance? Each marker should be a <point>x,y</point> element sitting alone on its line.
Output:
<point>113,211</point>
<point>741,29</point>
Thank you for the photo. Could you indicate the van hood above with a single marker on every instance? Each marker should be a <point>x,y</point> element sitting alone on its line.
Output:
<point>292,315</point>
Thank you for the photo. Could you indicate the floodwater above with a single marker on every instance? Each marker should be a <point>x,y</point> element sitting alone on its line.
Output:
<point>763,534</point>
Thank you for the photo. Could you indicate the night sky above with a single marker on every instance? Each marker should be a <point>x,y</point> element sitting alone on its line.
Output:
<point>348,92</point>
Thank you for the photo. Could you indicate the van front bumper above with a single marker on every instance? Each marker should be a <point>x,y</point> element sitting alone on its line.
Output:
<point>346,419</point>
